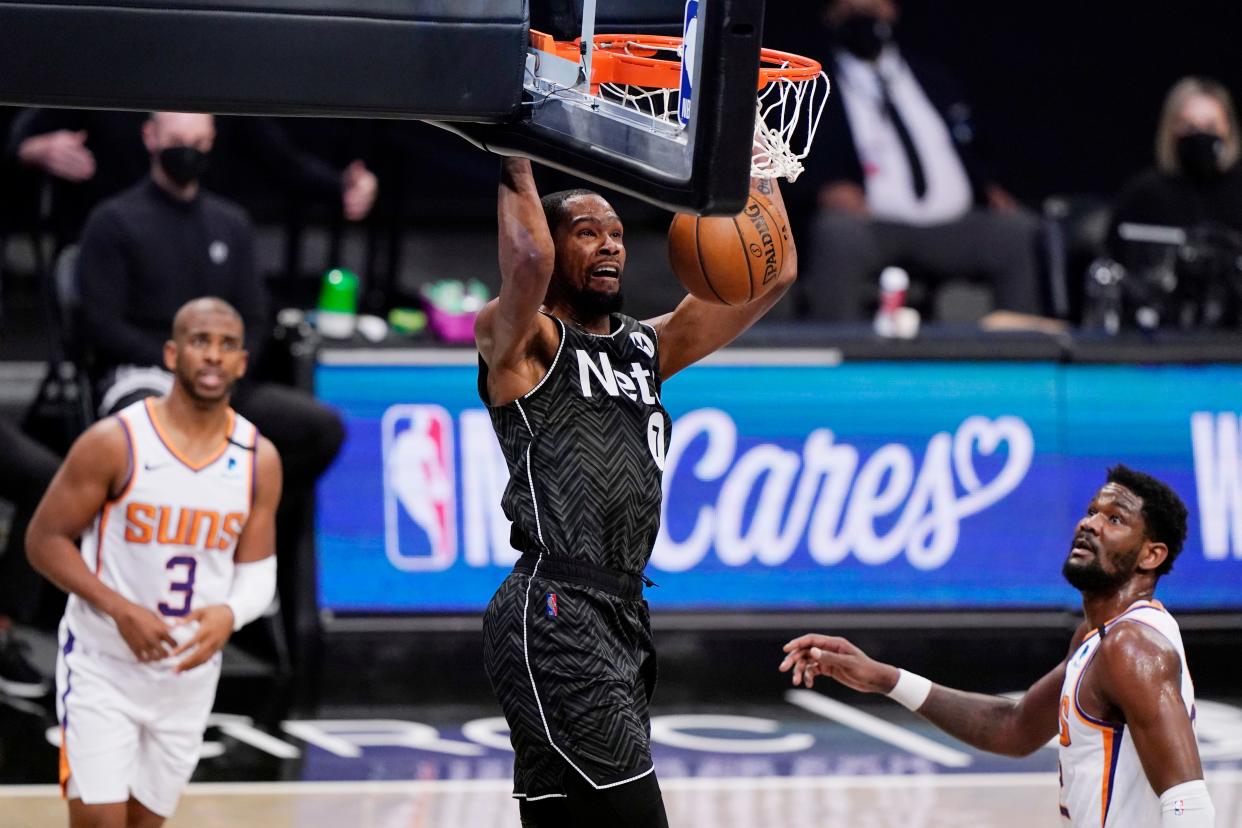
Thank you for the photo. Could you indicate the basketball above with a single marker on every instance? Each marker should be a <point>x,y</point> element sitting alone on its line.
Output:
<point>729,260</point>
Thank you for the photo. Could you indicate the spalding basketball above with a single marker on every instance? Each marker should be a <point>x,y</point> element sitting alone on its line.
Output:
<point>729,260</point>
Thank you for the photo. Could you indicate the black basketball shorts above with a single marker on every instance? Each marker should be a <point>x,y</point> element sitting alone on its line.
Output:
<point>567,647</point>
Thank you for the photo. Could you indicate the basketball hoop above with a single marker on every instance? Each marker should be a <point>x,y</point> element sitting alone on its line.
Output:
<point>644,73</point>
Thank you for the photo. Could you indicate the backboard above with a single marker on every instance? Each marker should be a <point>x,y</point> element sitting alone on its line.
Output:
<point>695,158</point>
<point>466,64</point>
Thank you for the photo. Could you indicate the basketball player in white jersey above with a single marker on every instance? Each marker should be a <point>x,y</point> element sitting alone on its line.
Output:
<point>174,500</point>
<point>1121,704</point>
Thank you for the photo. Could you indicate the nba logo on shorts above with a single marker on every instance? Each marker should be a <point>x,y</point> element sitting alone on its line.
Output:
<point>420,489</point>
<point>551,605</point>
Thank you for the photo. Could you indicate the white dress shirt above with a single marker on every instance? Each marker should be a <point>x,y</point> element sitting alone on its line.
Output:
<point>886,170</point>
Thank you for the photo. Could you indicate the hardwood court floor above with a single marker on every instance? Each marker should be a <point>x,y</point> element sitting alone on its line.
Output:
<point>987,800</point>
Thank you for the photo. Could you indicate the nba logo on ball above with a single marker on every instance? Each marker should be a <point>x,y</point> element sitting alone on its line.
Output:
<point>420,489</point>
<point>551,605</point>
<point>689,51</point>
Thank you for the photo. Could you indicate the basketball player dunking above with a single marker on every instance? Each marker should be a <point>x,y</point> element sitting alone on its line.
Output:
<point>573,387</point>
<point>174,500</point>
<point>1122,702</point>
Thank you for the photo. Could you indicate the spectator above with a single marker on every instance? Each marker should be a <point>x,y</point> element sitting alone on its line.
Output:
<point>899,181</point>
<point>157,245</point>
<point>26,469</point>
<point>94,154</point>
<point>1197,179</point>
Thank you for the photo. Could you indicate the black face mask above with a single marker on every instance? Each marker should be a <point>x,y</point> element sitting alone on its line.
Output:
<point>864,36</point>
<point>183,165</point>
<point>1198,155</point>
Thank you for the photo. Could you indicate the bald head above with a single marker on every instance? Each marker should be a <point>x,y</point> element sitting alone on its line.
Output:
<point>191,129</point>
<point>196,311</point>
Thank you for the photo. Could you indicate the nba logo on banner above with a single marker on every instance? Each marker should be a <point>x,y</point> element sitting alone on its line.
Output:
<point>551,605</point>
<point>689,54</point>
<point>420,489</point>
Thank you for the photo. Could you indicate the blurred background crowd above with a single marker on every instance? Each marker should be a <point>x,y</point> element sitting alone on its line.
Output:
<point>1058,167</point>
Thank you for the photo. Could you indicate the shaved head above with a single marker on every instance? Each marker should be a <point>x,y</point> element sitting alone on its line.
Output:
<point>192,310</point>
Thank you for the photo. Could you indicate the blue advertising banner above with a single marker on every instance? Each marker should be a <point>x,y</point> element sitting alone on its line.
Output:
<point>912,485</point>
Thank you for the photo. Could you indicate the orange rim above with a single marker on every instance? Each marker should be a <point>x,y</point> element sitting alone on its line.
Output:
<point>632,60</point>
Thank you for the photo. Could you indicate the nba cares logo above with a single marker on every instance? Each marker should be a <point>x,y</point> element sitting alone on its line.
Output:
<point>420,505</point>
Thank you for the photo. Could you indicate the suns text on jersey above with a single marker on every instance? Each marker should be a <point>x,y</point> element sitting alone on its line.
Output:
<point>182,526</point>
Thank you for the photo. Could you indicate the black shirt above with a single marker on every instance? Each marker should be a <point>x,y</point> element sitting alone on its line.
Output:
<point>144,254</point>
<point>1154,197</point>
<point>586,447</point>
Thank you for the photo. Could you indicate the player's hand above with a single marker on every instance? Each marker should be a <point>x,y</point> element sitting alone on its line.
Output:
<point>215,625</point>
<point>145,632</point>
<point>359,187</point>
<point>62,153</point>
<point>824,655</point>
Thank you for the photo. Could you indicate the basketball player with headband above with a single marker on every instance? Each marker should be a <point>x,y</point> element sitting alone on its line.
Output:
<point>573,387</point>
<point>1121,705</point>
<point>175,501</point>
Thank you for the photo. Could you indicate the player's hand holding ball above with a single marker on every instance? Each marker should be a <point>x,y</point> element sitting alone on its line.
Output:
<point>729,260</point>
<point>145,632</point>
<point>215,625</point>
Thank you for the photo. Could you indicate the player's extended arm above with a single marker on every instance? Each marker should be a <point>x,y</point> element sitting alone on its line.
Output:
<point>254,569</point>
<point>1140,673</point>
<point>515,340</point>
<point>96,465</point>
<point>992,723</point>
<point>697,328</point>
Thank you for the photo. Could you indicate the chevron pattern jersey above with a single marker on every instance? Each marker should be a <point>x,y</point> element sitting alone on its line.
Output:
<point>585,449</point>
<point>572,665</point>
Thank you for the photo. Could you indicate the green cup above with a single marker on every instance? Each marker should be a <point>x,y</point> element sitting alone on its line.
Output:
<point>338,303</point>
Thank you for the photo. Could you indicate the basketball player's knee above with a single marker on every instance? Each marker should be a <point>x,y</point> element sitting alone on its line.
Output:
<point>109,815</point>
<point>637,804</point>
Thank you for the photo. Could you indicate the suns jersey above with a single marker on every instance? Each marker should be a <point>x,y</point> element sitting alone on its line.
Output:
<point>167,542</point>
<point>1102,780</point>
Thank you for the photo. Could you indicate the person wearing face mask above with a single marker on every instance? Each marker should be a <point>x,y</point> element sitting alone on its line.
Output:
<point>146,252</point>
<point>1197,181</point>
<point>90,155</point>
<point>898,181</point>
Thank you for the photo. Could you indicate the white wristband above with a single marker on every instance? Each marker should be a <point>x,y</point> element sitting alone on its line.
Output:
<point>254,586</point>
<point>1187,805</point>
<point>911,690</point>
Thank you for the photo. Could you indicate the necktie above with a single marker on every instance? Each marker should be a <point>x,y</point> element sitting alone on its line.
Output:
<point>917,176</point>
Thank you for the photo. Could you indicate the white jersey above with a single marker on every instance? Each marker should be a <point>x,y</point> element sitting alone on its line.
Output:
<point>167,541</point>
<point>1102,779</point>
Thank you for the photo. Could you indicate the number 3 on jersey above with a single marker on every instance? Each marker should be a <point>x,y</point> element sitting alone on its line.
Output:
<point>182,568</point>
<point>655,438</point>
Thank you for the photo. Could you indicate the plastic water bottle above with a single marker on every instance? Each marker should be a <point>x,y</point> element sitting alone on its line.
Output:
<point>338,304</point>
<point>1104,296</point>
<point>894,282</point>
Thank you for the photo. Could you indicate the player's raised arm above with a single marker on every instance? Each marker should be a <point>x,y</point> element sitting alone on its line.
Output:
<point>992,723</point>
<point>94,473</point>
<point>1141,675</point>
<point>512,336</point>
<point>697,328</point>
<point>254,568</point>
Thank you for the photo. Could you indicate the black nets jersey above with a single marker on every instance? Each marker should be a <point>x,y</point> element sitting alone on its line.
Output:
<point>585,449</point>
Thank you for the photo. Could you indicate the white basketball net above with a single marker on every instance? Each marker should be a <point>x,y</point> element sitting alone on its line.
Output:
<point>787,114</point>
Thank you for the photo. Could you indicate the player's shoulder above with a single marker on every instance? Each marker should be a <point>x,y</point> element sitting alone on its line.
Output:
<point>102,445</point>
<point>499,347</point>
<point>1131,650</point>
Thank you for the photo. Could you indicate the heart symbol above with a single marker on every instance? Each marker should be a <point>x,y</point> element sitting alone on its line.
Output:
<point>986,436</point>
